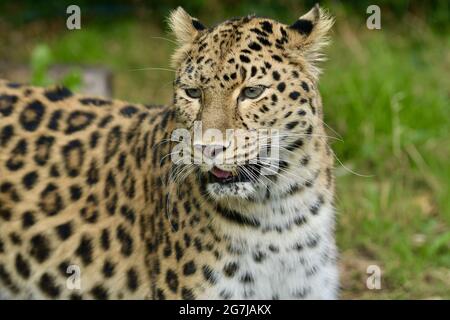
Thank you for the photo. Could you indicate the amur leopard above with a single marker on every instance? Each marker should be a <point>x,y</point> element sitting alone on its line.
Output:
<point>93,207</point>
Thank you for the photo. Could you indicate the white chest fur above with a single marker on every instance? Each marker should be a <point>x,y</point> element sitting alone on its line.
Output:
<point>294,261</point>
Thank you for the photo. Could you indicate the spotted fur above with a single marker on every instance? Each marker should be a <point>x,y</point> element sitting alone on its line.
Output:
<point>86,182</point>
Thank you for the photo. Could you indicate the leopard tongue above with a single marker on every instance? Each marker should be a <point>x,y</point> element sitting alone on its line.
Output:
<point>221,174</point>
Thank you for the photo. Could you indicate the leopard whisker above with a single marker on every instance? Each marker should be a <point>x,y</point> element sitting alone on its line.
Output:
<point>153,69</point>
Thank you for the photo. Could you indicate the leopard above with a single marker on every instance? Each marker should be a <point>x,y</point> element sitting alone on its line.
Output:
<point>94,206</point>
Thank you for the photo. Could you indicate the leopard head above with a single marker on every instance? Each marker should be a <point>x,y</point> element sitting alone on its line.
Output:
<point>249,85</point>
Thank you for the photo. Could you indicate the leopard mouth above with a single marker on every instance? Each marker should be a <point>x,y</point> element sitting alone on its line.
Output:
<point>245,173</point>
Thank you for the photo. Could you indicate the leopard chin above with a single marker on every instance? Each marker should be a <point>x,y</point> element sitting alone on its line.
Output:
<point>231,191</point>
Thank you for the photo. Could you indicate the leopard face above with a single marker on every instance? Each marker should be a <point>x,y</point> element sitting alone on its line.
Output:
<point>257,77</point>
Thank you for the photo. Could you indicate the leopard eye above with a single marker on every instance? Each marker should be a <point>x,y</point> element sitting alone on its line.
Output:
<point>252,92</point>
<point>194,93</point>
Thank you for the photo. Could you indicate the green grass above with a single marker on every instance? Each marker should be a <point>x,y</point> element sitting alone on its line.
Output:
<point>385,93</point>
<point>387,96</point>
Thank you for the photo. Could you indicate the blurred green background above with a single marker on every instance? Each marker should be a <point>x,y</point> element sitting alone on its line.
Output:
<point>385,93</point>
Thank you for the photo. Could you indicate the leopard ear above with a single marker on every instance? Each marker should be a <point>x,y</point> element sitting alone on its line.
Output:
<point>309,34</point>
<point>184,27</point>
